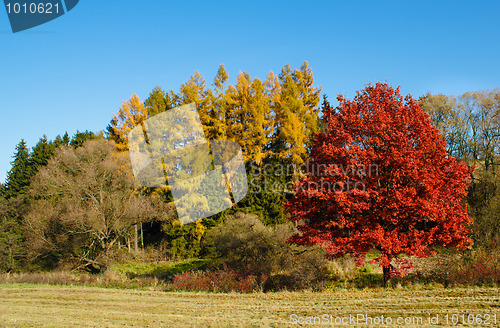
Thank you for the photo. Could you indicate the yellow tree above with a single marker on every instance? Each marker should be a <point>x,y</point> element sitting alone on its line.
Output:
<point>297,113</point>
<point>249,117</point>
<point>262,121</point>
<point>132,113</point>
<point>195,91</point>
<point>218,105</point>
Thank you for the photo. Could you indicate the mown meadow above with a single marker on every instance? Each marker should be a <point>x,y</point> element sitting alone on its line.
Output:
<point>39,305</point>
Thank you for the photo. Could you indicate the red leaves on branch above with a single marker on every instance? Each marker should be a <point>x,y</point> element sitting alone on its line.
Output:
<point>380,178</point>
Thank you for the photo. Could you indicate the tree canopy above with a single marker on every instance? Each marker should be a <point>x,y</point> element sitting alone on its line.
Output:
<point>83,202</point>
<point>380,178</point>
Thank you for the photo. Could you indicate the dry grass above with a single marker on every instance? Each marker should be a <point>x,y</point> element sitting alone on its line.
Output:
<point>28,305</point>
<point>109,279</point>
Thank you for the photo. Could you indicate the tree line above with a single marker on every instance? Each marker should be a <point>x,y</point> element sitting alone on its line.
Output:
<point>77,203</point>
<point>470,123</point>
<point>72,201</point>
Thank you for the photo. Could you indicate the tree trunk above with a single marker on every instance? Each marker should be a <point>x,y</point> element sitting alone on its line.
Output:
<point>142,237</point>
<point>387,274</point>
<point>136,238</point>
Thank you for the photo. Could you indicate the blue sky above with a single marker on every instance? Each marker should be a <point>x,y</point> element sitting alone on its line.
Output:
<point>74,72</point>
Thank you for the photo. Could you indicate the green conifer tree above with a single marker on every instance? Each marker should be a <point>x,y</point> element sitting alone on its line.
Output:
<point>18,177</point>
<point>158,101</point>
<point>39,156</point>
<point>80,137</point>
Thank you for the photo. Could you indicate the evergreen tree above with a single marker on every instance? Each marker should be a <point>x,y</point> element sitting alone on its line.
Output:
<point>80,137</point>
<point>2,190</point>
<point>18,178</point>
<point>158,101</point>
<point>65,139</point>
<point>12,250</point>
<point>40,155</point>
<point>58,141</point>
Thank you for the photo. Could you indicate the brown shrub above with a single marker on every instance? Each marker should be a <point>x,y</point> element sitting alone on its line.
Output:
<point>223,281</point>
<point>473,268</point>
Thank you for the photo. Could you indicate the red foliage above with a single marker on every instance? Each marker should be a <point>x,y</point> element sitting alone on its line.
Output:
<point>480,270</point>
<point>380,178</point>
<point>214,281</point>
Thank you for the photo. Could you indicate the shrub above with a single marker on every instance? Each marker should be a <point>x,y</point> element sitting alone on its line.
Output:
<point>343,272</point>
<point>246,245</point>
<point>475,267</point>
<point>223,281</point>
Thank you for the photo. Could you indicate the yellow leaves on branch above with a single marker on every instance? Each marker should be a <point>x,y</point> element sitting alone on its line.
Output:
<point>132,113</point>
<point>275,117</point>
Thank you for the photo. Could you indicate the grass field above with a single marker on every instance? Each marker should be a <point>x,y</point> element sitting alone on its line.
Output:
<point>30,305</point>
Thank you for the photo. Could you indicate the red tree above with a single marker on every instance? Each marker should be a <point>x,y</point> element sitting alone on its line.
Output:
<point>379,178</point>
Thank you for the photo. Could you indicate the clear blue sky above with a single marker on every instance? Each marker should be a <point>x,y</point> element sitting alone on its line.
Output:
<point>74,72</point>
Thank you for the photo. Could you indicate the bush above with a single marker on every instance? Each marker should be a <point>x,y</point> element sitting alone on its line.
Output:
<point>246,245</point>
<point>473,268</point>
<point>477,268</point>
<point>343,272</point>
<point>222,281</point>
